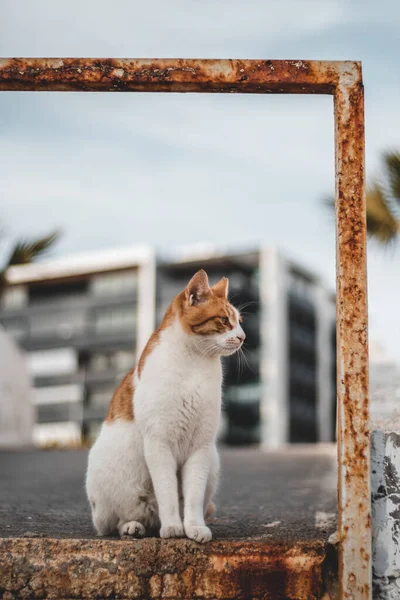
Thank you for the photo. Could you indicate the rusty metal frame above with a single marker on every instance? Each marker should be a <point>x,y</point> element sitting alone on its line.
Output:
<point>343,80</point>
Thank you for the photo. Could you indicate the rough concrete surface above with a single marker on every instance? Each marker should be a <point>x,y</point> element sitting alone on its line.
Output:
<point>275,514</point>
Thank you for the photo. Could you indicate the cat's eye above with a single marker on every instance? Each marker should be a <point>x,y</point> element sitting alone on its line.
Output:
<point>225,320</point>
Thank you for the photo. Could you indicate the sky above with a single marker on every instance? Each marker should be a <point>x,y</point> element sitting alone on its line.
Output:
<point>114,170</point>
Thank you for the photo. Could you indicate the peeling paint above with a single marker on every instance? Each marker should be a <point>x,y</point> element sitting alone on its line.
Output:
<point>385,493</point>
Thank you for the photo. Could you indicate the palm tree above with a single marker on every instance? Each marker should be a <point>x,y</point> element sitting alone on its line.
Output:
<point>383,202</point>
<point>26,251</point>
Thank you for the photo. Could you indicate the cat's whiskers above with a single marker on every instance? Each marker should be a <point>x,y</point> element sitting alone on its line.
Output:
<point>246,304</point>
<point>209,349</point>
<point>243,354</point>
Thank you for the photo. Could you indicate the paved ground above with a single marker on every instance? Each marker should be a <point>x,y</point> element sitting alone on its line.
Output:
<point>287,496</point>
<point>276,512</point>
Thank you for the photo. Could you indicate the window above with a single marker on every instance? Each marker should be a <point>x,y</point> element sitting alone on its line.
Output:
<point>301,287</point>
<point>14,297</point>
<point>59,324</point>
<point>114,284</point>
<point>120,360</point>
<point>101,397</point>
<point>61,433</point>
<point>111,319</point>
<point>16,327</point>
<point>52,362</point>
<point>49,293</point>
<point>58,394</point>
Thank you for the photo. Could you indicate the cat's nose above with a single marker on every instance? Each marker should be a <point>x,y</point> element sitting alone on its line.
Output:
<point>241,337</point>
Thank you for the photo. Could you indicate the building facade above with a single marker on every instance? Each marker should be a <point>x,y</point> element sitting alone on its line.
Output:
<point>83,322</point>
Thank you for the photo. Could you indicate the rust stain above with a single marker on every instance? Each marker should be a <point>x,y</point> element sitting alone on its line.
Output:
<point>352,345</point>
<point>171,75</point>
<point>122,402</point>
<point>152,568</point>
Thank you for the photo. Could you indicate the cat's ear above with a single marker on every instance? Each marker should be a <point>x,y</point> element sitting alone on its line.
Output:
<point>221,288</point>
<point>198,289</point>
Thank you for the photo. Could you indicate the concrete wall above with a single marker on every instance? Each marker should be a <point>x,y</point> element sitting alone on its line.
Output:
<point>16,410</point>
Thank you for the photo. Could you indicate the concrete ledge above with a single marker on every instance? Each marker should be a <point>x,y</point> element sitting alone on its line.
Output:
<point>151,568</point>
<point>270,537</point>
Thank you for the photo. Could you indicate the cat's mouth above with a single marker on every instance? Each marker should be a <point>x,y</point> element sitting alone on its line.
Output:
<point>224,347</point>
<point>231,347</point>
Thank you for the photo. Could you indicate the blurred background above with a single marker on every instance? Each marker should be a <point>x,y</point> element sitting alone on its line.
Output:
<point>110,202</point>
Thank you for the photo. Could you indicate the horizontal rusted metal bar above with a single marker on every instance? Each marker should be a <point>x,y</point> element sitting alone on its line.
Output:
<point>175,75</point>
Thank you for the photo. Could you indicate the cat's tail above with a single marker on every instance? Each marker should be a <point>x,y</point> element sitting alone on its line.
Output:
<point>210,511</point>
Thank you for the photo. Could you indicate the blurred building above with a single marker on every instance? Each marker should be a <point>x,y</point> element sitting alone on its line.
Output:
<point>84,320</point>
<point>16,410</point>
<point>384,383</point>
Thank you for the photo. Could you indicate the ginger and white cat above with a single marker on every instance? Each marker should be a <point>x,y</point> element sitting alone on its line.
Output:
<point>155,464</point>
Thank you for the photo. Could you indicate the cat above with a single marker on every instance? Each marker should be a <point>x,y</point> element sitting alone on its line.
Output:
<point>155,466</point>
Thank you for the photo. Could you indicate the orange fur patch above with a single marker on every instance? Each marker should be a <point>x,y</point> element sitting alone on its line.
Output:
<point>215,315</point>
<point>221,288</point>
<point>223,321</point>
<point>205,310</point>
<point>155,338</point>
<point>121,405</point>
<point>153,341</point>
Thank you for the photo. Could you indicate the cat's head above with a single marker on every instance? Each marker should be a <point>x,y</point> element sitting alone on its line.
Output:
<point>207,315</point>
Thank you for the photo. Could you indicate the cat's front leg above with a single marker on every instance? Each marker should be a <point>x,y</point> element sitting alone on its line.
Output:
<point>194,481</point>
<point>163,468</point>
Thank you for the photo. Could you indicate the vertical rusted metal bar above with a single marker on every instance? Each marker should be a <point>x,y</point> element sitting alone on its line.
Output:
<point>352,345</point>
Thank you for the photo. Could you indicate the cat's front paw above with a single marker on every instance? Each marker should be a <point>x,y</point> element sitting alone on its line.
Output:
<point>169,531</point>
<point>198,533</point>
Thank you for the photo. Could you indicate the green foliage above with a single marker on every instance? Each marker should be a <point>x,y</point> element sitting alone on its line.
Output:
<point>25,252</point>
<point>392,162</point>
<point>382,223</point>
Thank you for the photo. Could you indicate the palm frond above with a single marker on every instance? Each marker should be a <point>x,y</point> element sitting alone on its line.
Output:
<point>329,202</point>
<point>3,281</point>
<point>381,222</point>
<point>392,163</point>
<point>26,251</point>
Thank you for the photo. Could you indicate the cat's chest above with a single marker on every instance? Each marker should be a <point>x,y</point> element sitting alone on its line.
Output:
<point>173,373</point>
<point>190,414</point>
<point>192,391</point>
<point>180,398</point>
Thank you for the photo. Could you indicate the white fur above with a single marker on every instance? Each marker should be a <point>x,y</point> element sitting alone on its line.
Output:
<point>161,470</point>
